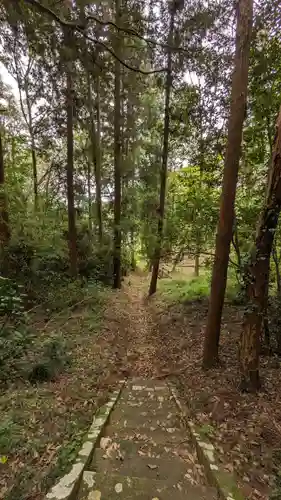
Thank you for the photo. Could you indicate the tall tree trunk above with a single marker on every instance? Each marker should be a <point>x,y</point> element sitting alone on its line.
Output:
<point>257,273</point>
<point>4,218</point>
<point>33,149</point>
<point>90,215</point>
<point>95,150</point>
<point>27,115</point>
<point>117,158</point>
<point>72,232</point>
<point>34,170</point>
<point>163,174</point>
<point>98,161</point>
<point>231,166</point>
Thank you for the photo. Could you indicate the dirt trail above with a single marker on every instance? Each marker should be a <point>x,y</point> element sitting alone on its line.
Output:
<point>130,315</point>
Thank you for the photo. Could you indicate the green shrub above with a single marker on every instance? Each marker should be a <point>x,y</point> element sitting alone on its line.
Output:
<point>54,360</point>
<point>186,289</point>
<point>197,288</point>
<point>14,335</point>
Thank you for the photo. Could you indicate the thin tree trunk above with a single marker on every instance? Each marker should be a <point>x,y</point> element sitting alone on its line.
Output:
<point>89,196</point>
<point>13,151</point>
<point>257,274</point>
<point>117,159</point>
<point>29,121</point>
<point>95,150</point>
<point>33,149</point>
<point>4,218</point>
<point>34,170</point>
<point>163,178</point>
<point>133,257</point>
<point>72,231</point>
<point>197,263</point>
<point>231,166</point>
<point>98,162</point>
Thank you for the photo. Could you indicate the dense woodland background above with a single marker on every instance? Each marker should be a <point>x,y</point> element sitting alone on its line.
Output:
<point>114,145</point>
<point>126,122</point>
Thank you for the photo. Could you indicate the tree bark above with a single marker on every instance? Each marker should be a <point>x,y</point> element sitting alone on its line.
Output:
<point>4,217</point>
<point>277,270</point>
<point>95,150</point>
<point>98,162</point>
<point>257,273</point>
<point>33,149</point>
<point>117,158</point>
<point>231,166</point>
<point>164,167</point>
<point>89,196</point>
<point>72,231</point>
<point>197,264</point>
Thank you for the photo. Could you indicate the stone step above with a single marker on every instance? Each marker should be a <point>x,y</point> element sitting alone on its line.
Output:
<point>121,448</point>
<point>149,416</point>
<point>99,486</point>
<point>138,384</point>
<point>145,390</point>
<point>170,469</point>
<point>154,434</point>
<point>139,399</point>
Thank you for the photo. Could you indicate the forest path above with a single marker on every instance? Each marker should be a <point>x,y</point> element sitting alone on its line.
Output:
<point>145,452</point>
<point>155,338</point>
<point>131,316</point>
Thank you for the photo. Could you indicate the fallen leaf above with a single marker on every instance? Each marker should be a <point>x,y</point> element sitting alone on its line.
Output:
<point>118,488</point>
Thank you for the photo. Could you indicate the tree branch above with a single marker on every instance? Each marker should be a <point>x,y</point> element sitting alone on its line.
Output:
<point>132,32</point>
<point>45,10</point>
<point>81,29</point>
<point>128,66</point>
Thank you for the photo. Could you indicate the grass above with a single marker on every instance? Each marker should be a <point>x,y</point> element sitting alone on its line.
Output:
<point>42,425</point>
<point>194,288</point>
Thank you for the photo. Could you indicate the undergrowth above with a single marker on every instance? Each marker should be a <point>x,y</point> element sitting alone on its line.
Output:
<point>59,373</point>
<point>196,288</point>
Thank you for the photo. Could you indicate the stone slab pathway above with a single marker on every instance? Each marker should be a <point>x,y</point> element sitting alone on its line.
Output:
<point>146,453</point>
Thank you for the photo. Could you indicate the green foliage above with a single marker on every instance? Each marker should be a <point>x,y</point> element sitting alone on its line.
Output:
<point>14,335</point>
<point>197,288</point>
<point>12,299</point>
<point>192,210</point>
<point>9,436</point>
<point>186,290</point>
<point>206,430</point>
